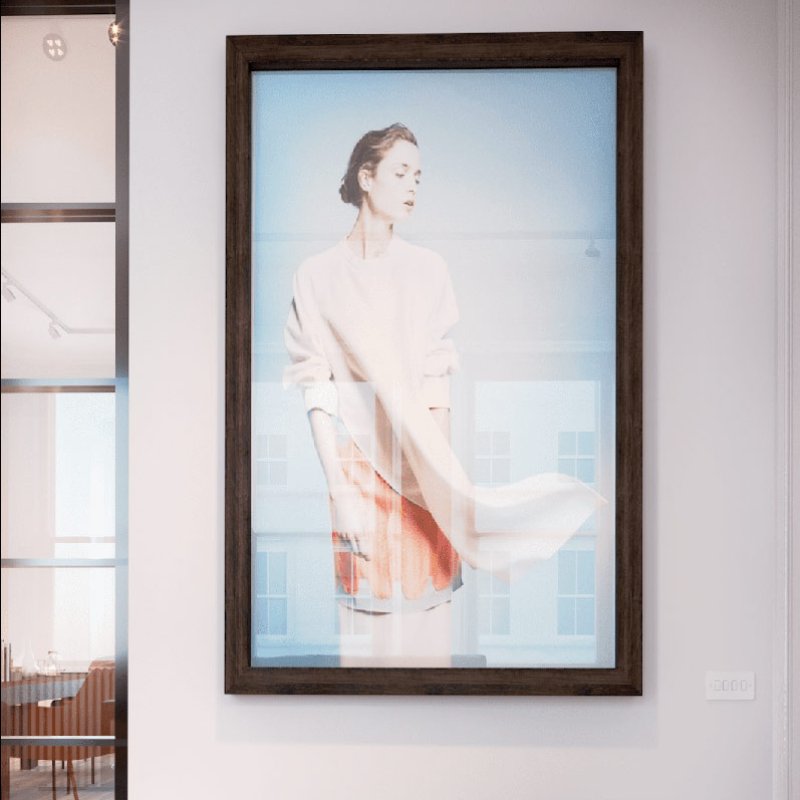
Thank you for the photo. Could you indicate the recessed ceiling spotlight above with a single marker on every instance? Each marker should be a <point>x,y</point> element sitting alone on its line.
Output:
<point>114,33</point>
<point>54,46</point>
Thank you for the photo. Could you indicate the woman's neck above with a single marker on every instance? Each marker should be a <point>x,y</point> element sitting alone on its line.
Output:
<point>370,236</point>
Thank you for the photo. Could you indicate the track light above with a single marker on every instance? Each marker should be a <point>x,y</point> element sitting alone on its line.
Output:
<point>56,326</point>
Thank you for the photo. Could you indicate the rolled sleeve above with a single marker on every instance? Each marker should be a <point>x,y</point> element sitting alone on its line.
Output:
<point>322,395</point>
<point>309,369</point>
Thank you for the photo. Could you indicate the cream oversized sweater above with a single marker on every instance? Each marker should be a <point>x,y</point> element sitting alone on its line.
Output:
<point>368,342</point>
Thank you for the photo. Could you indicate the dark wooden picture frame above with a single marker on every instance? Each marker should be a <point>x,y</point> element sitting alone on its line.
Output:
<point>621,51</point>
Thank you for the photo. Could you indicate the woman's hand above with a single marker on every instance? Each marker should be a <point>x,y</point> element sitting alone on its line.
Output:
<point>350,521</point>
<point>349,510</point>
<point>351,515</point>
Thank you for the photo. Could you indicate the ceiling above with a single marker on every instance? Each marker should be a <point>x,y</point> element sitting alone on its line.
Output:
<point>57,146</point>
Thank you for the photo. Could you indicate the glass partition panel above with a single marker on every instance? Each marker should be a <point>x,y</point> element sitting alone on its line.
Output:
<point>57,475</point>
<point>58,300</point>
<point>58,679</point>
<point>41,773</point>
<point>58,95</point>
<point>59,154</point>
<point>56,621</point>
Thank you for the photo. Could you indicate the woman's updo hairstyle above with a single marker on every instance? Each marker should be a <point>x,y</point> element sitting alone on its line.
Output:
<point>367,154</point>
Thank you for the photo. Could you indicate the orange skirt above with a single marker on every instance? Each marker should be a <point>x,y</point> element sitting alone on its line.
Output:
<point>407,545</point>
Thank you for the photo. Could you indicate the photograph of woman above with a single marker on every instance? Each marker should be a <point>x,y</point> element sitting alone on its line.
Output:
<point>432,374</point>
<point>370,347</point>
<point>379,535</point>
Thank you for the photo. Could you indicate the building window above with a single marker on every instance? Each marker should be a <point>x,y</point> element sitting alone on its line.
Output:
<point>576,593</point>
<point>272,597</point>
<point>576,455</point>
<point>271,460</point>
<point>492,457</point>
<point>494,605</point>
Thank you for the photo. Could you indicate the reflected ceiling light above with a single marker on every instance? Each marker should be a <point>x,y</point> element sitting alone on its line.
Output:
<point>54,46</point>
<point>56,327</point>
<point>592,250</point>
<point>114,33</point>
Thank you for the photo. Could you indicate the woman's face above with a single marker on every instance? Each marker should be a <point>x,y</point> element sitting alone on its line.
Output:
<point>390,192</point>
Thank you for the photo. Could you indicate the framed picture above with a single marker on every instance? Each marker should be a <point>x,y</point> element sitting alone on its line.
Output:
<point>433,364</point>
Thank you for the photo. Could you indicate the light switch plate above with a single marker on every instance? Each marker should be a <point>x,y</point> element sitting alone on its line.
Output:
<point>730,685</point>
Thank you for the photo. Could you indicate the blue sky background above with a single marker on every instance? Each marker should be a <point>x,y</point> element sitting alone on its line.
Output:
<point>518,175</point>
<point>502,150</point>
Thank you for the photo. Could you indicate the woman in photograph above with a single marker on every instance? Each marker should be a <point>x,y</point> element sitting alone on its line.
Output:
<point>368,338</point>
<point>393,562</point>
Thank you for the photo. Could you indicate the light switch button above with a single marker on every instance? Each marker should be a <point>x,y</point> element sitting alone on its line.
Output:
<point>730,686</point>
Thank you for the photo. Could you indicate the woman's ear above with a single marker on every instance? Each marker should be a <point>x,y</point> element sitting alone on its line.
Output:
<point>364,179</point>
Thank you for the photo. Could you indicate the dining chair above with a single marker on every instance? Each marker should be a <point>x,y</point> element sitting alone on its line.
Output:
<point>89,713</point>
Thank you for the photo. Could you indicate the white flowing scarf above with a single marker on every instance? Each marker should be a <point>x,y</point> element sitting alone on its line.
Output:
<point>499,527</point>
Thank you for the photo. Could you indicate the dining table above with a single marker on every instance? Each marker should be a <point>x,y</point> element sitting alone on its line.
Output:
<point>27,690</point>
<point>37,688</point>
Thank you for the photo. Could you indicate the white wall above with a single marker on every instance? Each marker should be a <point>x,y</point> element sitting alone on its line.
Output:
<point>710,109</point>
<point>788,287</point>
